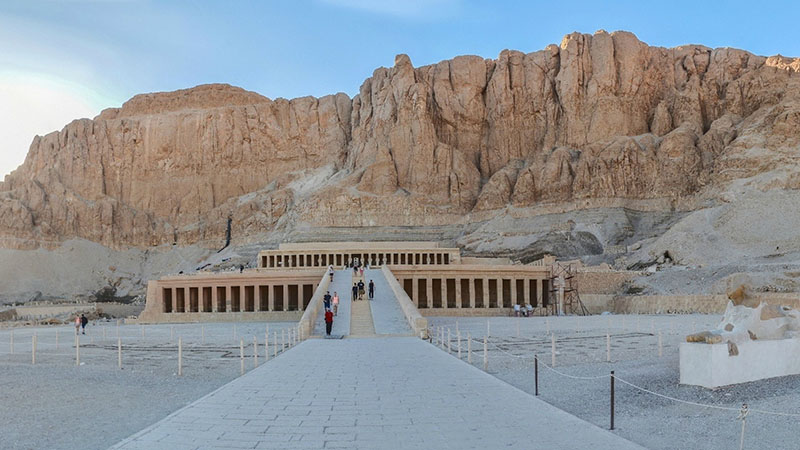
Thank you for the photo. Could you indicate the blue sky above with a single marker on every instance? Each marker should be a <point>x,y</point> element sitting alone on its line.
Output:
<point>64,59</point>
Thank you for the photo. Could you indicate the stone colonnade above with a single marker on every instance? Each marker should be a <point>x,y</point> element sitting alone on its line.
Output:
<point>277,259</point>
<point>455,291</point>
<point>245,296</point>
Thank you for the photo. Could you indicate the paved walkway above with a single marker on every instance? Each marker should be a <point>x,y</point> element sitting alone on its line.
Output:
<point>380,393</point>
<point>342,283</point>
<point>386,312</point>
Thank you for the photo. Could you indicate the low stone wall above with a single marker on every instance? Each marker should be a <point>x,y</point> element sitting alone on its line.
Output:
<point>475,312</point>
<point>46,311</point>
<point>674,304</point>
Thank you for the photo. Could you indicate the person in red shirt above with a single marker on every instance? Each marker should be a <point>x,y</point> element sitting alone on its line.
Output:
<point>328,321</point>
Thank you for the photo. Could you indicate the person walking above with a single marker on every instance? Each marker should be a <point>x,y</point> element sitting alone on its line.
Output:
<point>330,272</point>
<point>84,321</point>
<point>355,292</point>
<point>371,290</point>
<point>335,303</point>
<point>328,321</point>
<point>77,324</point>
<point>326,300</point>
<point>361,289</point>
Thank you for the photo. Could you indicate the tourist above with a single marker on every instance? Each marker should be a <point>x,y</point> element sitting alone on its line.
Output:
<point>371,290</point>
<point>529,310</point>
<point>77,324</point>
<point>517,310</point>
<point>84,321</point>
<point>328,321</point>
<point>361,289</point>
<point>326,300</point>
<point>241,268</point>
<point>330,272</point>
<point>355,292</point>
<point>335,303</point>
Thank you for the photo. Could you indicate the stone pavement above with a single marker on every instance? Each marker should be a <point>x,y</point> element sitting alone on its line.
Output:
<point>378,393</point>
<point>387,315</point>
<point>342,283</point>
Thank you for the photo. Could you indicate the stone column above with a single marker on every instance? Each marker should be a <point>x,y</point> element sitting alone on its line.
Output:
<point>429,291</point>
<point>174,300</point>
<point>526,291</point>
<point>214,299</point>
<point>539,293</point>
<point>485,292</point>
<point>444,292</point>
<point>285,297</point>
<point>415,291</point>
<point>459,299</point>
<point>424,258</point>
<point>472,292</point>
<point>514,297</point>
<point>271,299</point>
<point>228,299</point>
<point>500,297</point>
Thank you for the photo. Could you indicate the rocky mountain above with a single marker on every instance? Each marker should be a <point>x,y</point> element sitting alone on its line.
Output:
<point>599,121</point>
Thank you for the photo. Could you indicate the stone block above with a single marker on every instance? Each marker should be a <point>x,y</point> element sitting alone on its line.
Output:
<point>714,365</point>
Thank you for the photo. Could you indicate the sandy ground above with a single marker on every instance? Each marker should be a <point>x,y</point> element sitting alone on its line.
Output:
<point>56,404</point>
<point>646,419</point>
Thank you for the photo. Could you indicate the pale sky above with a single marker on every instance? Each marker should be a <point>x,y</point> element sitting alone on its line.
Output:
<point>66,59</point>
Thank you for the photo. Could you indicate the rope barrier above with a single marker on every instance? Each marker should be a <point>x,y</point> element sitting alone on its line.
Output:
<point>666,397</point>
<point>574,377</point>
<point>703,405</point>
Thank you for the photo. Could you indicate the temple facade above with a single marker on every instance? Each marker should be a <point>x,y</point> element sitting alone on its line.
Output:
<point>437,280</point>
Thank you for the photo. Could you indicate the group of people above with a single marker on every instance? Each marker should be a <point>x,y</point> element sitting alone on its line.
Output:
<point>524,311</point>
<point>358,290</point>
<point>331,309</point>
<point>331,303</point>
<point>358,270</point>
<point>80,324</point>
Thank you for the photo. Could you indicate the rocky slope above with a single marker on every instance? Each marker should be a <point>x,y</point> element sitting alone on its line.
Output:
<point>602,122</point>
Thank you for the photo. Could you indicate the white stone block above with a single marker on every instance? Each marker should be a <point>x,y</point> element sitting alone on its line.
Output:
<point>711,366</point>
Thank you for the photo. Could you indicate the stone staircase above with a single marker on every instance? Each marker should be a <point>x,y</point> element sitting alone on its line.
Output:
<point>361,324</point>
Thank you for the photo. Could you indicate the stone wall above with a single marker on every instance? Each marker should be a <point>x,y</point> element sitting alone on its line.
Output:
<point>674,304</point>
<point>603,281</point>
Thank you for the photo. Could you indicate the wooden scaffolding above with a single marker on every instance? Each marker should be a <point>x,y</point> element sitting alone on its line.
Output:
<point>566,273</point>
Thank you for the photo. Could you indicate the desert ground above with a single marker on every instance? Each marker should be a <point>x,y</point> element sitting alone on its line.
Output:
<point>645,418</point>
<point>58,404</point>
<point>96,404</point>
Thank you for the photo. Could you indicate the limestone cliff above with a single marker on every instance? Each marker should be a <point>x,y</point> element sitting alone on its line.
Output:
<point>601,116</point>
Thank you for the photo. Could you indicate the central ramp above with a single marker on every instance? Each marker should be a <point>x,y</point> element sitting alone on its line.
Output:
<point>361,320</point>
<point>381,393</point>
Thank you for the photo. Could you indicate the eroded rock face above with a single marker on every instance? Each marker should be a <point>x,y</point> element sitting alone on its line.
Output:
<point>600,116</point>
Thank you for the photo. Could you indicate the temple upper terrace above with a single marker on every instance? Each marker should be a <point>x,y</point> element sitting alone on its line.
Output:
<point>339,254</point>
